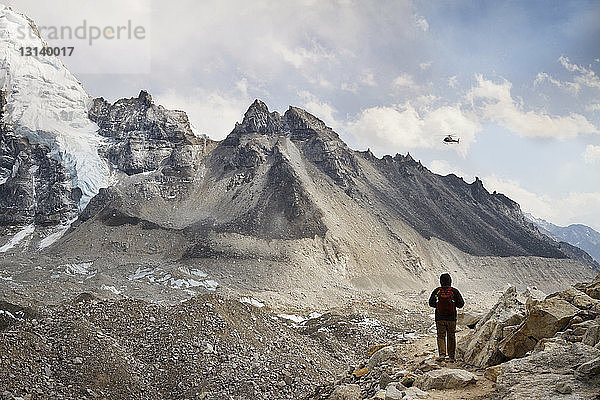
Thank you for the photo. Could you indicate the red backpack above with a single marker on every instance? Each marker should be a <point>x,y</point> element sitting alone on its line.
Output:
<point>445,305</point>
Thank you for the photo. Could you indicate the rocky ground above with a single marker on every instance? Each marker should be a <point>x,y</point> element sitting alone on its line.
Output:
<point>528,345</point>
<point>207,347</point>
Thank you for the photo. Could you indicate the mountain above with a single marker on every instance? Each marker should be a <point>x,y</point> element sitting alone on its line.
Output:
<point>578,235</point>
<point>46,105</point>
<point>124,199</point>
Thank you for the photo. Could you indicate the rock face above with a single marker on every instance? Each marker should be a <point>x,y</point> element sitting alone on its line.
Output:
<point>34,188</point>
<point>480,347</point>
<point>544,320</point>
<point>445,378</point>
<point>555,368</point>
<point>142,136</point>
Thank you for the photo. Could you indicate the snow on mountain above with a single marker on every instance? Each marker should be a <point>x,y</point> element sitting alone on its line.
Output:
<point>47,105</point>
<point>578,235</point>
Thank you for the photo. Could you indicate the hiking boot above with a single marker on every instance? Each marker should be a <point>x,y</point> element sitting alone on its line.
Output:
<point>440,358</point>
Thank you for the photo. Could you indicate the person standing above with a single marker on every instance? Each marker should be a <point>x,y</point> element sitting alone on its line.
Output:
<point>446,299</point>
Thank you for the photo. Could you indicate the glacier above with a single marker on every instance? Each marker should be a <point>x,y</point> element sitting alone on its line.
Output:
<point>47,105</point>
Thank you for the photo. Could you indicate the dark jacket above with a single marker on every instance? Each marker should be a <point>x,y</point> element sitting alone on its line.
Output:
<point>458,301</point>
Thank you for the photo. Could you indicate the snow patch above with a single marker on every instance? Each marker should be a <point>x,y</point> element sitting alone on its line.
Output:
<point>159,276</point>
<point>292,317</point>
<point>79,269</point>
<point>54,236</point>
<point>111,289</point>
<point>252,302</point>
<point>15,240</point>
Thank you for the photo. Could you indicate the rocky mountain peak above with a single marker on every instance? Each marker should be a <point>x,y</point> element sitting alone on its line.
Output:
<point>145,98</point>
<point>258,119</point>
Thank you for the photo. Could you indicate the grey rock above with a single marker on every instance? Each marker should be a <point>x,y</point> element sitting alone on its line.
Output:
<point>346,392</point>
<point>143,136</point>
<point>414,393</point>
<point>469,318</point>
<point>480,347</point>
<point>394,391</point>
<point>553,362</point>
<point>381,356</point>
<point>589,370</point>
<point>445,378</point>
<point>564,388</point>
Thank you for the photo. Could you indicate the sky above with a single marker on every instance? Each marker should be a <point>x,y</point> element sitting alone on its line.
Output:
<point>517,81</point>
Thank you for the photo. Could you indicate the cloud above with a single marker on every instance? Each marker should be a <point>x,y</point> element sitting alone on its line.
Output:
<point>495,102</point>
<point>210,112</point>
<point>405,81</point>
<point>585,77</point>
<point>593,107</point>
<point>575,207</point>
<point>453,81</point>
<point>443,167</point>
<point>425,65</point>
<point>319,109</point>
<point>368,79</point>
<point>591,154</point>
<point>401,127</point>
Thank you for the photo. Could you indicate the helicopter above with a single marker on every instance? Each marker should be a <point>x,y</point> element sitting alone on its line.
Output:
<point>451,139</point>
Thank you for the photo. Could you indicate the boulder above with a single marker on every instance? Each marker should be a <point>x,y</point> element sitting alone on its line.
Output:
<point>445,378</point>
<point>544,321</point>
<point>346,392</point>
<point>414,393</point>
<point>548,369</point>
<point>480,348</point>
<point>589,371</point>
<point>533,296</point>
<point>469,318</point>
<point>493,372</point>
<point>579,299</point>
<point>592,289</point>
<point>393,391</point>
<point>592,334</point>
<point>382,356</point>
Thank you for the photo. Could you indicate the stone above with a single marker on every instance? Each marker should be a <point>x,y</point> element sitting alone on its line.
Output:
<point>469,318</point>
<point>543,321</point>
<point>593,289</point>
<point>589,370</point>
<point>592,334</point>
<point>384,380</point>
<point>564,388</point>
<point>78,361</point>
<point>493,372</point>
<point>358,373</point>
<point>579,299</point>
<point>380,395</point>
<point>480,347</point>
<point>445,378</point>
<point>346,392</point>
<point>533,296</point>
<point>414,393</point>
<point>428,365</point>
<point>381,356</point>
<point>408,380</point>
<point>393,391</point>
<point>536,375</point>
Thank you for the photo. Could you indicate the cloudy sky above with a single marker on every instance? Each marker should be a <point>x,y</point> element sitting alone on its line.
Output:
<point>516,81</point>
